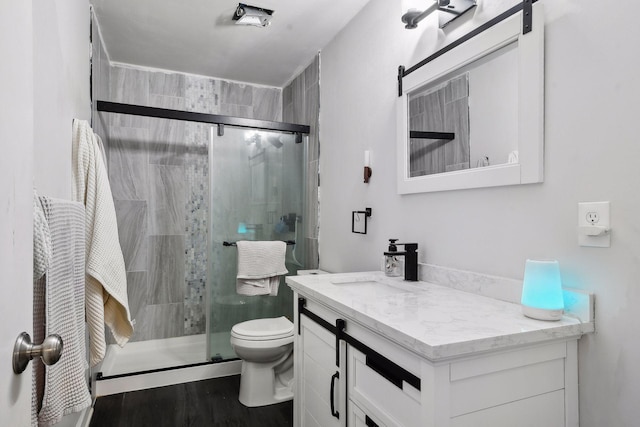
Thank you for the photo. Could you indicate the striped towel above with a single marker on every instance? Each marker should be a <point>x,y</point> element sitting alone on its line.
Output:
<point>66,387</point>
<point>260,265</point>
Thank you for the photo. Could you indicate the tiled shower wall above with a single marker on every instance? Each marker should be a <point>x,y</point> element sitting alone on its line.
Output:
<point>301,104</point>
<point>99,80</point>
<point>159,175</point>
<point>158,170</point>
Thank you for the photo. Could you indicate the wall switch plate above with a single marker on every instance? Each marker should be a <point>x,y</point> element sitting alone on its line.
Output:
<point>594,225</point>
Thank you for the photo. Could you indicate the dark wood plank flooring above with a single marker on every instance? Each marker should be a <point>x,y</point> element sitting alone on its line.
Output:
<point>212,403</point>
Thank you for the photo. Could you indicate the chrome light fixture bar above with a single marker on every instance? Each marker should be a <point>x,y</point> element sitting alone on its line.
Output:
<point>450,10</point>
<point>413,16</point>
<point>252,15</point>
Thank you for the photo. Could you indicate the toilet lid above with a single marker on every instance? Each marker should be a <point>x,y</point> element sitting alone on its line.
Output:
<point>263,329</point>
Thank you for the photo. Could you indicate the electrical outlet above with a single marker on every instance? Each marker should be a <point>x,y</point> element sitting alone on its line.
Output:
<point>594,217</point>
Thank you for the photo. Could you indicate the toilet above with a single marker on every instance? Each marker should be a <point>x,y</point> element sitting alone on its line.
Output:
<point>266,349</point>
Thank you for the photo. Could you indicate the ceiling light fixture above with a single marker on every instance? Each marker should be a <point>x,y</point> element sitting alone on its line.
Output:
<point>252,15</point>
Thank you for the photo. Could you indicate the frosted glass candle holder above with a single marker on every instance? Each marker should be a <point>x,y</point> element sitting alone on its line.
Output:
<point>542,290</point>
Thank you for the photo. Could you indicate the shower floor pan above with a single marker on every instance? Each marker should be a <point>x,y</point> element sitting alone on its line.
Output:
<point>156,363</point>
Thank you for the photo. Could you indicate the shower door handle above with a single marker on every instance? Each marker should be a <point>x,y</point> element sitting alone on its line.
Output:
<point>23,351</point>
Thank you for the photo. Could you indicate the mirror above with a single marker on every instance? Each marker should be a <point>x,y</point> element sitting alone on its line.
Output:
<point>473,117</point>
<point>492,84</point>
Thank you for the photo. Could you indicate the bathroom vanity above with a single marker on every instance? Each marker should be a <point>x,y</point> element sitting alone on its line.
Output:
<point>377,351</point>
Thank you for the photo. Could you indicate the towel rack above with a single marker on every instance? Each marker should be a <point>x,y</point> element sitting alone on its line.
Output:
<point>288,242</point>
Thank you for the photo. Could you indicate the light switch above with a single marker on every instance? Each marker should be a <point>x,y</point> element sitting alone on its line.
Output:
<point>594,225</point>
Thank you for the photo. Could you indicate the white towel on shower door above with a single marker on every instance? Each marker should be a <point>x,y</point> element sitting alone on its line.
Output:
<point>260,265</point>
<point>106,280</point>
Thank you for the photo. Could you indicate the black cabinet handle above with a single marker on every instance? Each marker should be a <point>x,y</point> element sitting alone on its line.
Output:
<point>389,370</point>
<point>334,377</point>
<point>369,422</point>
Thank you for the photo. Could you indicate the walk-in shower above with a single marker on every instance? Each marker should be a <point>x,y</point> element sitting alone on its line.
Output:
<point>181,205</point>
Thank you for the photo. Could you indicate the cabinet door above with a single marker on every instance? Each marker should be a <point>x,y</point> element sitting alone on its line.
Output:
<point>319,380</point>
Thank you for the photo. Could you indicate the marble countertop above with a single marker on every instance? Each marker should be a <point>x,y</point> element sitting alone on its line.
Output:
<point>434,321</point>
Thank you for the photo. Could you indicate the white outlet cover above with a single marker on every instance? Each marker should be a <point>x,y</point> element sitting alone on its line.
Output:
<point>604,220</point>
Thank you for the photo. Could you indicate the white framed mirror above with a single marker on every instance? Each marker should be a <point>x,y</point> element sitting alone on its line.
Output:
<point>474,116</point>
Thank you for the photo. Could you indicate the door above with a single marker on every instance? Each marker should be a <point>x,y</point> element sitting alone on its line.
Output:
<point>256,193</point>
<point>16,204</point>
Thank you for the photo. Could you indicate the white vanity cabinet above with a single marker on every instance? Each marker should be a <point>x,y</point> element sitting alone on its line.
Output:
<point>383,384</point>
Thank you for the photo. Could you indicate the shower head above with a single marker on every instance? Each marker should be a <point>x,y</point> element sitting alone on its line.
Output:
<point>275,141</point>
<point>258,138</point>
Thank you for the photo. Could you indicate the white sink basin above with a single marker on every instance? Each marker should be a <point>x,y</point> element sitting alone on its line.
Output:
<point>374,286</point>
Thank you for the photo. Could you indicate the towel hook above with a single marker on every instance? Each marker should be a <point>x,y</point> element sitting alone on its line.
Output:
<point>23,351</point>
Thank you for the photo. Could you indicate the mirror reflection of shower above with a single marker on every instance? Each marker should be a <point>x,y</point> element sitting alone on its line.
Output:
<point>257,141</point>
<point>287,224</point>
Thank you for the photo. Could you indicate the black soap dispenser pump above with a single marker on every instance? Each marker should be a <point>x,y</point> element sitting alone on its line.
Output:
<point>392,263</point>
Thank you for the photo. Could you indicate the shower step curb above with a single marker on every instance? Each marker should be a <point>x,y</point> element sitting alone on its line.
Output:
<point>114,384</point>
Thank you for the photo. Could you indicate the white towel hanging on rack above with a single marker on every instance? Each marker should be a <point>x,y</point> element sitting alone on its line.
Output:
<point>260,265</point>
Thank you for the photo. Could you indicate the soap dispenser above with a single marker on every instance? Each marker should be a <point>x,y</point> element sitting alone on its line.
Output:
<point>393,265</point>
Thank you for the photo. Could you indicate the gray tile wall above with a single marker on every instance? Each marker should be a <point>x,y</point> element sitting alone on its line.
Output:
<point>301,104</point>
<point>443,110</point>
<point>158,170</point>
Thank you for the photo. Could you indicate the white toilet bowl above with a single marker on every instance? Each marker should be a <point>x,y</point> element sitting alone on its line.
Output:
<point>266,349</point>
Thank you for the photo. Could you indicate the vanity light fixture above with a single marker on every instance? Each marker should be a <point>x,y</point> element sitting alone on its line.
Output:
<point>367,166</point>
<point>413,16</point>
<point>542,290</point>
<point>450,10</point>
<point>252,15</point>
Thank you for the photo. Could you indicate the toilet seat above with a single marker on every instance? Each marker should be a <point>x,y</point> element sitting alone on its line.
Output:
<point>263,329</point>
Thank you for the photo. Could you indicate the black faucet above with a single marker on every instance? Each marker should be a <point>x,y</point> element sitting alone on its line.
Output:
<point>410,255</point>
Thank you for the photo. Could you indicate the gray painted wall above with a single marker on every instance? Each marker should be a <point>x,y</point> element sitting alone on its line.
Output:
<point>591,154</point>
<point>61,89</point>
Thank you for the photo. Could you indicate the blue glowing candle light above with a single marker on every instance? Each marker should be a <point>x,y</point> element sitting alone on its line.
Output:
<point>542,290</point>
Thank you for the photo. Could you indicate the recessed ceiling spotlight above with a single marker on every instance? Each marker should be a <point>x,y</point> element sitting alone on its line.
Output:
<point>252,15</point>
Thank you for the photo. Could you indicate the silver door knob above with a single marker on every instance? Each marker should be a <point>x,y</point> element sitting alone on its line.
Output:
<point>23,351</point>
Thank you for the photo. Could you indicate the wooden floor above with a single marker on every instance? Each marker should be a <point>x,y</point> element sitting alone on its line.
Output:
<point>212,403</point>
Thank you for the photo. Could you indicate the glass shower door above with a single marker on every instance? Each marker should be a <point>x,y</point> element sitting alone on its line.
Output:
<point>256,193</point>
